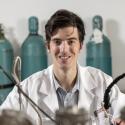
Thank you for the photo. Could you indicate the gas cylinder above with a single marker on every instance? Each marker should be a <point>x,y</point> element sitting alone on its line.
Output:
<point>6,61</point>
<point>33,51</point>
<point>98,48</point>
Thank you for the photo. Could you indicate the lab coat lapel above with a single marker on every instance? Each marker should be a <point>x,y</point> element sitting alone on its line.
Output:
<point>85,99</point>
<point>86,96</point>
<point>49,101</point>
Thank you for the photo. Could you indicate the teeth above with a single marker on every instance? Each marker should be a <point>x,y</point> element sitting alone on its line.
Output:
<point>64,57</point>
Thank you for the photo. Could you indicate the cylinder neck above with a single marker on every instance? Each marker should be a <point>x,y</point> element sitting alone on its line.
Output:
<point>1,32</point>
<point>97,22</point>
<point>33,25</point>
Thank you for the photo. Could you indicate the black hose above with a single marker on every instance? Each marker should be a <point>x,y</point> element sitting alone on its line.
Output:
<point>107,91</point>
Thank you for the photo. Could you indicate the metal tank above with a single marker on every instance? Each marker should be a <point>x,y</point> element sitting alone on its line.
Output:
<point>6,61</point>
<point>99,48</point>
<point>72,116</point>
<point>33,51</point>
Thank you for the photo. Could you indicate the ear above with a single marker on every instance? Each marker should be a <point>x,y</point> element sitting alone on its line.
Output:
<point>47,46</point>
<point>81,45</point>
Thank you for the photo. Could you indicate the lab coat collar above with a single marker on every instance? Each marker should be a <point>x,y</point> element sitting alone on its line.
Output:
<point>87,86</point>
<point>86,78</point>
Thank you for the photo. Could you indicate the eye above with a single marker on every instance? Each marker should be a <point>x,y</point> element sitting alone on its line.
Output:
<point>72,41</point>
<point>57,41</point>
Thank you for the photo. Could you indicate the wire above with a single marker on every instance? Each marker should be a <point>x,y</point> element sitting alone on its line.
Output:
<point>17,68</point>
<point>17,74</point>
<point>16,82</point>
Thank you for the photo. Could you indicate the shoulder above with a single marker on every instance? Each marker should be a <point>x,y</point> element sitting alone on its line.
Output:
<point>90,70</point>
<point>38,78</point>
<point>96,75</point>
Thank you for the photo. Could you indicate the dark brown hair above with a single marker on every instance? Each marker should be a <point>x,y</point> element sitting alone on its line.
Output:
<point>64,18</point>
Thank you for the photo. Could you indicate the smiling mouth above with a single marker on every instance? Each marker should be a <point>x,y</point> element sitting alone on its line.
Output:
<point>64,57</point>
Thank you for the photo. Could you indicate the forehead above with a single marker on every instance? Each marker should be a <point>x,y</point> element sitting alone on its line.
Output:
<point>66,32</point>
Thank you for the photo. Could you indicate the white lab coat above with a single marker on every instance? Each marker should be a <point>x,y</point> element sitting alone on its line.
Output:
<point>40,88</point>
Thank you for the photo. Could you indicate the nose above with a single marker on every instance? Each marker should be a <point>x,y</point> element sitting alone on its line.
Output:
<point>64,47</point>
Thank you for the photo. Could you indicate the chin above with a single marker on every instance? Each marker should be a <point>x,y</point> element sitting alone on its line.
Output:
<point>64,67</point>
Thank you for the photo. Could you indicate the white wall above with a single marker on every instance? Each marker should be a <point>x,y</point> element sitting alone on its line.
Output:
<point>14,15</point>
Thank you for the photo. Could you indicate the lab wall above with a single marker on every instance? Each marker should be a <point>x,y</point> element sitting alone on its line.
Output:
<point>14,16</point>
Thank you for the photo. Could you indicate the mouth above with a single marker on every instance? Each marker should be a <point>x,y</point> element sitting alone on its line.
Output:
<point>64,58</point>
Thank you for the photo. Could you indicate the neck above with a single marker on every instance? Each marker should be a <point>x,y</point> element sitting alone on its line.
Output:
<point>66,79</point>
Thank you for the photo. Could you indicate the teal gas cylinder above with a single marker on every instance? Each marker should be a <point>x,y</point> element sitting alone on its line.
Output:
<point>6,61</point>
<point>33,51</point>
<point>98,48</point>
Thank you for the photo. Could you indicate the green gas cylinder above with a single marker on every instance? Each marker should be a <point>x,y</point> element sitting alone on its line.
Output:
<point>6,61</point>
<point>33,51</point>
<point>98,48</point>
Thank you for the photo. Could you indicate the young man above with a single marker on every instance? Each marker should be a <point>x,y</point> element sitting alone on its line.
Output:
<point>65,82</point>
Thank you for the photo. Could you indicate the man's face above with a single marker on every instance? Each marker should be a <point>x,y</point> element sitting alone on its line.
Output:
<point>64,48</point>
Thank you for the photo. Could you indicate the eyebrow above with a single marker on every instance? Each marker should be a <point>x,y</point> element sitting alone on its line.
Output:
<point>55,39</point>
<point>71,38</point>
